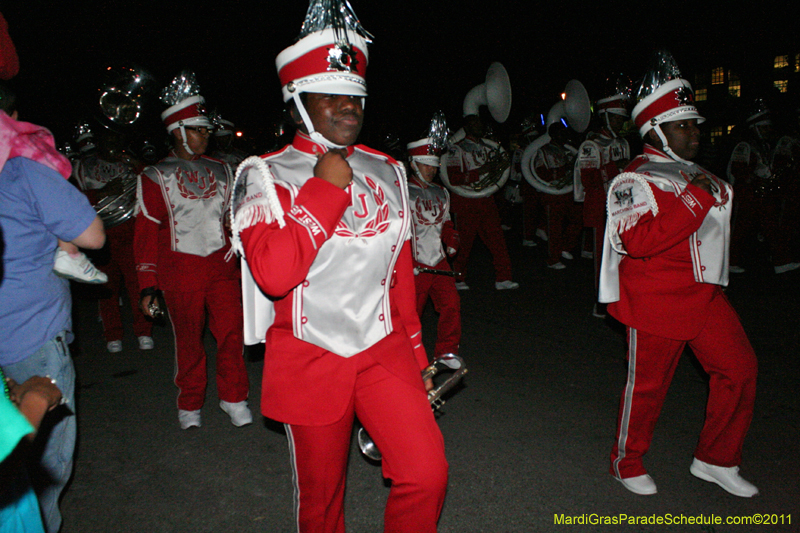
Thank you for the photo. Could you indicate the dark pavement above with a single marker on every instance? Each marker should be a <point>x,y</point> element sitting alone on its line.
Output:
<point>528,436</point>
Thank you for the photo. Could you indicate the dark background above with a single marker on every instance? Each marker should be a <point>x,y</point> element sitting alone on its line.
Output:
<point>426,54</point>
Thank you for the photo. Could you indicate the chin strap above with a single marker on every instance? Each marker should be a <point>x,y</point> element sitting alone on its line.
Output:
<point>608,125</point>
<point>315,135</point>
<point>665,146</point>
<point>185,142</point>
<point>415,168</point>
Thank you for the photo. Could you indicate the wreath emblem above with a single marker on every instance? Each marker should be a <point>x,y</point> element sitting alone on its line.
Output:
<point>193,177</point>
<point>378,224</point>
<point>421,216</point>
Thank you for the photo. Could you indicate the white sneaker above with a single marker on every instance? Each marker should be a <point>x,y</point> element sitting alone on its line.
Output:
<point>77,268</point>
<point>114,346</point>
<point>146,343</point>
<point>506,285</point>
<point>505,227</point>
<point>542,234</point>
<point>462,286</point>
<point>586,254</point>
<point>733,269</point>
<point>567,256</point>
<point>641,485</point>
<point>189,419</point>
<point>788,267</point>
<point>557,266</point>
<point>239,412</point>
<point>528,244</point>
<point>726,477</point>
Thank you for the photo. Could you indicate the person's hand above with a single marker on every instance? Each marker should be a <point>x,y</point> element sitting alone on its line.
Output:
<point>703,182</point>
<point>38,389</point>
<point>334,168</point>
<point>428,384</point>
<point>144,305</point>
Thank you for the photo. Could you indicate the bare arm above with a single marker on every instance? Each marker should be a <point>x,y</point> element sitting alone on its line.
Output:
<point>93,237</point>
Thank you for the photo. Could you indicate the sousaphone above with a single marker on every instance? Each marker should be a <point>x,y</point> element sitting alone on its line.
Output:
<point>121,109</point>
<point>495,94</point>
<point>576,109</point>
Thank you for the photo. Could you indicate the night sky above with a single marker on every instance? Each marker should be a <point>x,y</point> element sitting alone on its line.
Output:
<point>426,54</point>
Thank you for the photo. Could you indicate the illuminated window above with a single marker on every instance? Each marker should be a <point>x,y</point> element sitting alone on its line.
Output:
<point>797,63</point>
<point>781,85</point>
<point>734,85</point>
<point>781,62</point>
<point>701,95</point>
<point>716,133</point>
<point>730,128</point>
<point>717,76</point>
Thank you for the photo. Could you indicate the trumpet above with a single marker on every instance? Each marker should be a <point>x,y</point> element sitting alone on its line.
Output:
<point>448,362</point>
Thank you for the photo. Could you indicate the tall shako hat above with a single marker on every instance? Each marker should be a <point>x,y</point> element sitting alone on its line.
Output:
<point>84,137</point>
<point>428,149</point>
<point>760,115</point>
<point>664,97</point>
<point>222,127</point>
<point>618,91</point>
<point>330,56</point>
<point>186,107</point>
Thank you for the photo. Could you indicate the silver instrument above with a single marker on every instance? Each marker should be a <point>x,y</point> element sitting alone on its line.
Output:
<point>576,109</point>
<point>495,94</point>
<point>446,363</point>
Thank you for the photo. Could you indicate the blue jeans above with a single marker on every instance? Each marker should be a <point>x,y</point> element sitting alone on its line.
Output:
<point>56,436</point>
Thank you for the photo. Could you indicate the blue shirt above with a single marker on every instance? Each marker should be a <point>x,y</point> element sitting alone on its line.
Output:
<point>37,206</point>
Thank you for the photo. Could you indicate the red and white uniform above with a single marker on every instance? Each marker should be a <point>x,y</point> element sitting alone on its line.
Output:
<point>665,259</point>
<point>555,164</point>
<point>180,246</point>
<point>432,230</point>
<point>345,339</point>
<point>475,216</point>
<point>761,205</point>
<point>599,160</point>
<point>93,173</point>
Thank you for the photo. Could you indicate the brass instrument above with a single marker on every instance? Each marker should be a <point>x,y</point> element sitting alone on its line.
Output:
<point>450,362</point>
<point>495,94</point>
<point>576,109</point>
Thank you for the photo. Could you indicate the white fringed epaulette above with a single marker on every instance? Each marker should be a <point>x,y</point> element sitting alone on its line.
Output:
<point>629,198</point>
<point>249,215</point>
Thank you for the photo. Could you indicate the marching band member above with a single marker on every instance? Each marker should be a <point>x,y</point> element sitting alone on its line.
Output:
<point>761,193</point>
<point>433,231</point>
<point>345,337</point>
<point>224,149</point>
<point>600,158</point>
<point>554,163</point>
<point>467,160</point>
<point>100,174</point>
<point>665,261</point>
<point>180,244</point>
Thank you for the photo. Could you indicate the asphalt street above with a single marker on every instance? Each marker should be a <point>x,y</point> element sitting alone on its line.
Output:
<point>528,435</point>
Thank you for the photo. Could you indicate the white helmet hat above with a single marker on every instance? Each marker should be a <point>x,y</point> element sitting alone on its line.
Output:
<point>423,151</point>
<point>330,57</point>
<point>186,106</point>
<point>664,97</point>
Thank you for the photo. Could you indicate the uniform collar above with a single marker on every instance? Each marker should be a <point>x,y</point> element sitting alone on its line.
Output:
<point>306,144</point>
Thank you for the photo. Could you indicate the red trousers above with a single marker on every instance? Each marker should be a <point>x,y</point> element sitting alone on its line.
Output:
<point>121,268</point>
<point>399,419</point>
<point>564,224</point>
<point>442,291</point>
<point>187,312</point>
<point>724,351</point>
<point>479,217</point>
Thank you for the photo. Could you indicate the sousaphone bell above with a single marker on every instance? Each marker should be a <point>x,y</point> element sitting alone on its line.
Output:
<point>495,94</point>
<point>576,109</point>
